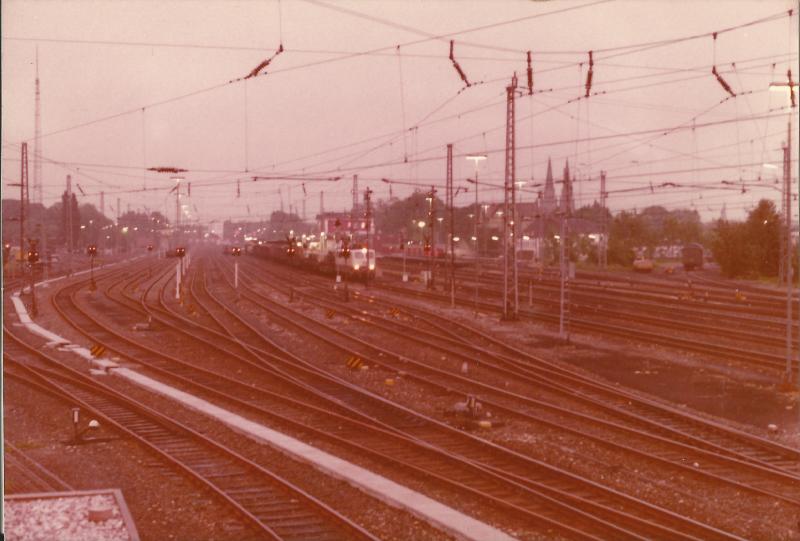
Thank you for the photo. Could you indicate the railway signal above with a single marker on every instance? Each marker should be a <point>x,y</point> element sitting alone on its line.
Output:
<point>345,251</point>
<point>292,246</point>
<point>180,251</point>
<point>345,254</point>
<point>92,251</point>
<point>33,258</point>
<point>236,252</point>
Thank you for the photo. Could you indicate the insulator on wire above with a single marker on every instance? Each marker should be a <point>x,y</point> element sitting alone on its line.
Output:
<point>589,75</point>
<point>265,63</point>
<point>530,75</point>
<point>722,82</point>
<point>458,68</point>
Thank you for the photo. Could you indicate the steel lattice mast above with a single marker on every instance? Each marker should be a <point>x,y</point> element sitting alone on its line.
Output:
<point>510,291</point>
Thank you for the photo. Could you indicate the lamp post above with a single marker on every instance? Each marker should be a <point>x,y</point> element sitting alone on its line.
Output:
<point>177,208</point>
<point>404,247</point>
<point>421,224</point>
<point>476,159</point>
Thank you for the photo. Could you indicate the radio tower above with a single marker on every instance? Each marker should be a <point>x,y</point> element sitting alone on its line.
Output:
<point>37,170</point>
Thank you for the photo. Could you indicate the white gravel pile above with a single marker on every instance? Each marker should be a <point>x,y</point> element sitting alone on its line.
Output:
<point>62,519</point>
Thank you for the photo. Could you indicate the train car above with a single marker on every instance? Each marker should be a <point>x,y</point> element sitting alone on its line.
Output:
<point>643,264</point>
<point>320,255</point>
<point>693,254</point>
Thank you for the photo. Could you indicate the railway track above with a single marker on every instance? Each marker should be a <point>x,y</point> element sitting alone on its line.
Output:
<point>747,469</point>
<point>614,290</point>
<point>592,321</point>
<point>717,292</point>
<point>576,385</point>
<point>23,473</point>
<point>274,507</point>
<point>537,492</point>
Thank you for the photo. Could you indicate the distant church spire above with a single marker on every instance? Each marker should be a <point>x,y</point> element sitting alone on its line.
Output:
<point>567,203</point>
<point>549,198</point>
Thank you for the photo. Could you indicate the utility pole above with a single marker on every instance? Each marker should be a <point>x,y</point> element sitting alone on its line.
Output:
<point>178,210</point>
<point>37,170</point>
<point>354,210</point>
<point>476,159</point>
<point>69,226</point>
<point>23,181</point>
<point>477,245</point>
<point>321,202</point>
<point>449,198</point>
<point>563,318</point>
<point>510,292</point>
<point>116,237</point>
<point>604,233</point>
<point>368,219</point>
<point>102,238</point>
<point>787,185</point>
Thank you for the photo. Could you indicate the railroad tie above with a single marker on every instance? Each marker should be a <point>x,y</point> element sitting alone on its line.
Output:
<point>97,350</point>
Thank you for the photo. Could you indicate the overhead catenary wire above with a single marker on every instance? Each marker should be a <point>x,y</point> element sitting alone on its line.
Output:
<point>320,175</point>
<point>356,54</point>
<point>405,156</point>
<point>402,104</point>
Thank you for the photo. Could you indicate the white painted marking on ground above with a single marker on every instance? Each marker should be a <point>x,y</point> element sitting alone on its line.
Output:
<point>444,517</point>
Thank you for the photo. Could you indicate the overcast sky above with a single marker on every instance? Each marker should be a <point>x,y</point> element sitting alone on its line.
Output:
<point>131,85</point>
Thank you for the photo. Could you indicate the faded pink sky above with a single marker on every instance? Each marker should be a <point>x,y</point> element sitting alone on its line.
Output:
<point>299,110</point>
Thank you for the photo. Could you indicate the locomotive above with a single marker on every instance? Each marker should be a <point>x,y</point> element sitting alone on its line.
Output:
<point>325,255</point>
<point>693,256</point>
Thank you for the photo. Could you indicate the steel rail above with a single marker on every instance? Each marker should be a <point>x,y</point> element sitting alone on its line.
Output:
<point>277,508</point>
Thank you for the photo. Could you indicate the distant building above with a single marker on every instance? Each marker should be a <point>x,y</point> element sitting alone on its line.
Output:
<point>342,222</point>
<point>548,204</point>
<point>567,203</point>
